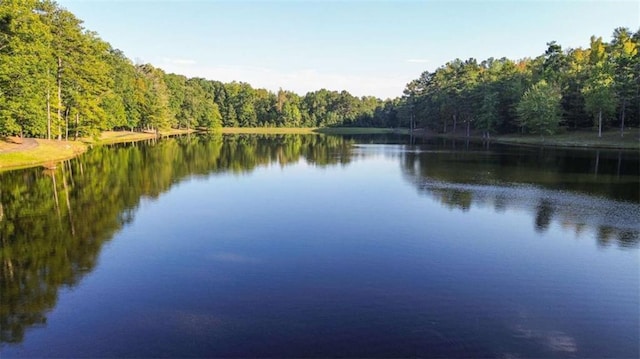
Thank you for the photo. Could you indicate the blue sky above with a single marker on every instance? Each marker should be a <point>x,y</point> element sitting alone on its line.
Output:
<point>365,47</point>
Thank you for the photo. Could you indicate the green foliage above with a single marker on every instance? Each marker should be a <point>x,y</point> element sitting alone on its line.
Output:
<point>24,77</point>
<point>486,96</point>
<point>599,90</point>
<point>488,116</point>
<point>58,79</point>
<point>539,110</point>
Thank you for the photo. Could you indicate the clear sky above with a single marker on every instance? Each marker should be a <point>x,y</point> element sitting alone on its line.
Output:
<point>364,47</point>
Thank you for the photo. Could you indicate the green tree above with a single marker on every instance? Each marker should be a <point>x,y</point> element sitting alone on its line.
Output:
<point>25,81</point>
<point>539,109</point>
<point>122,93</point>
<point>488,116</point>
<point>624,55</point>
<point>154,111</point>
<point>555,62</point>
<point>599,92</point>
<point>600,98</point>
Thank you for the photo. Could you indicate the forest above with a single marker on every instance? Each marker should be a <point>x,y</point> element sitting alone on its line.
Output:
<point>59,80</point>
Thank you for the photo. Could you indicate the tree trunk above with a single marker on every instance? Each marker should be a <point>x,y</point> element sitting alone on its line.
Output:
<point>468,128</point>
<point>59,80</point>
<point>413,122</point>
<point>66,124</point>
<point>77,121</point>
<point>48,113</point>
<point>624,105</point>
<point>444,130</point>
<point>600,123</point>
<point>455,123</point>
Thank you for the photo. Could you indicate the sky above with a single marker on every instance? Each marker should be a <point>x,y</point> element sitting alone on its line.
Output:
<point>365,47</point>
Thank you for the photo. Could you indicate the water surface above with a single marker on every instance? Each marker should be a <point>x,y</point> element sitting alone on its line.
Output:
<point>309,246</point>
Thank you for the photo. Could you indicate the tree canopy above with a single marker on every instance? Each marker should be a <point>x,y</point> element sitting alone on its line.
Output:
<point>60,80</point>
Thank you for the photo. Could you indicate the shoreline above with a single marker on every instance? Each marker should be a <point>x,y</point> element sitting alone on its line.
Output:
<point>610,140</point>
<point>17,153</point>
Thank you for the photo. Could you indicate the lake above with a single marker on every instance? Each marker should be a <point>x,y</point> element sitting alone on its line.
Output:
<point>322,246</point>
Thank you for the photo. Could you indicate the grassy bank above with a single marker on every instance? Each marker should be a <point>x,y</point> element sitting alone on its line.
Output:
<point>587,139</point>
<point>583,139</point>
<point>38,152</point>
<point>18,153</point>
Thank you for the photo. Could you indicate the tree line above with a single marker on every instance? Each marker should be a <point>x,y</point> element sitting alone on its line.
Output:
<point>60,80</point>
<point>596,87</point>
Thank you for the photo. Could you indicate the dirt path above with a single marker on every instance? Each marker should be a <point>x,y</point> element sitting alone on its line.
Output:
<point>12,146</point>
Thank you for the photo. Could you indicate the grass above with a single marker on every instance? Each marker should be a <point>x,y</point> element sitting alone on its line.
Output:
<point>588,139</point>
<point>14,155</point>
<point>581,138</point>
<point>46,153</point>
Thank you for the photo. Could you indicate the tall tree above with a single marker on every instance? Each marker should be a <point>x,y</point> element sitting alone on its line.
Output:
<point>599,92</point>
<point>539,109</point>
<point>624,53</point>
<point>25,81</point>
<point>154,111</point>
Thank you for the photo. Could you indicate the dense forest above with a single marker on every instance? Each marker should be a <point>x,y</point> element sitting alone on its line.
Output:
<point>60,80</point>
<point>596,87</point>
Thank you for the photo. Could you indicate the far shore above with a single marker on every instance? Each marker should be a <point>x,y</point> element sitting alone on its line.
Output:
<point>570,139</point>
<point>16,153</point>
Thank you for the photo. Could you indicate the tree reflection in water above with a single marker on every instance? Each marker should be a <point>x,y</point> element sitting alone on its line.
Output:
<point>53,223</point>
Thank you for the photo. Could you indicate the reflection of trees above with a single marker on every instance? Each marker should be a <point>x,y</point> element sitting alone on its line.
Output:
<point>541,183</point>
<point>53,223</point>
<point>625,238</point>
<point>616,176</point>
<point>544,214</point>
<point>455,198</point>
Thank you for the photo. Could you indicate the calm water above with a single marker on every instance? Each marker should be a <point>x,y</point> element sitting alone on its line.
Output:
<point>307,246</point>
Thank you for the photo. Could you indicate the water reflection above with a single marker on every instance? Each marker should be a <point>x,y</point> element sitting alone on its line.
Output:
<point>53,223</point>
<point>511,179</point>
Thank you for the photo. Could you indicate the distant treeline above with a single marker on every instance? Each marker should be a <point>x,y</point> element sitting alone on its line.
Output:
<point>59,80</point>
<point>578,88</point>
